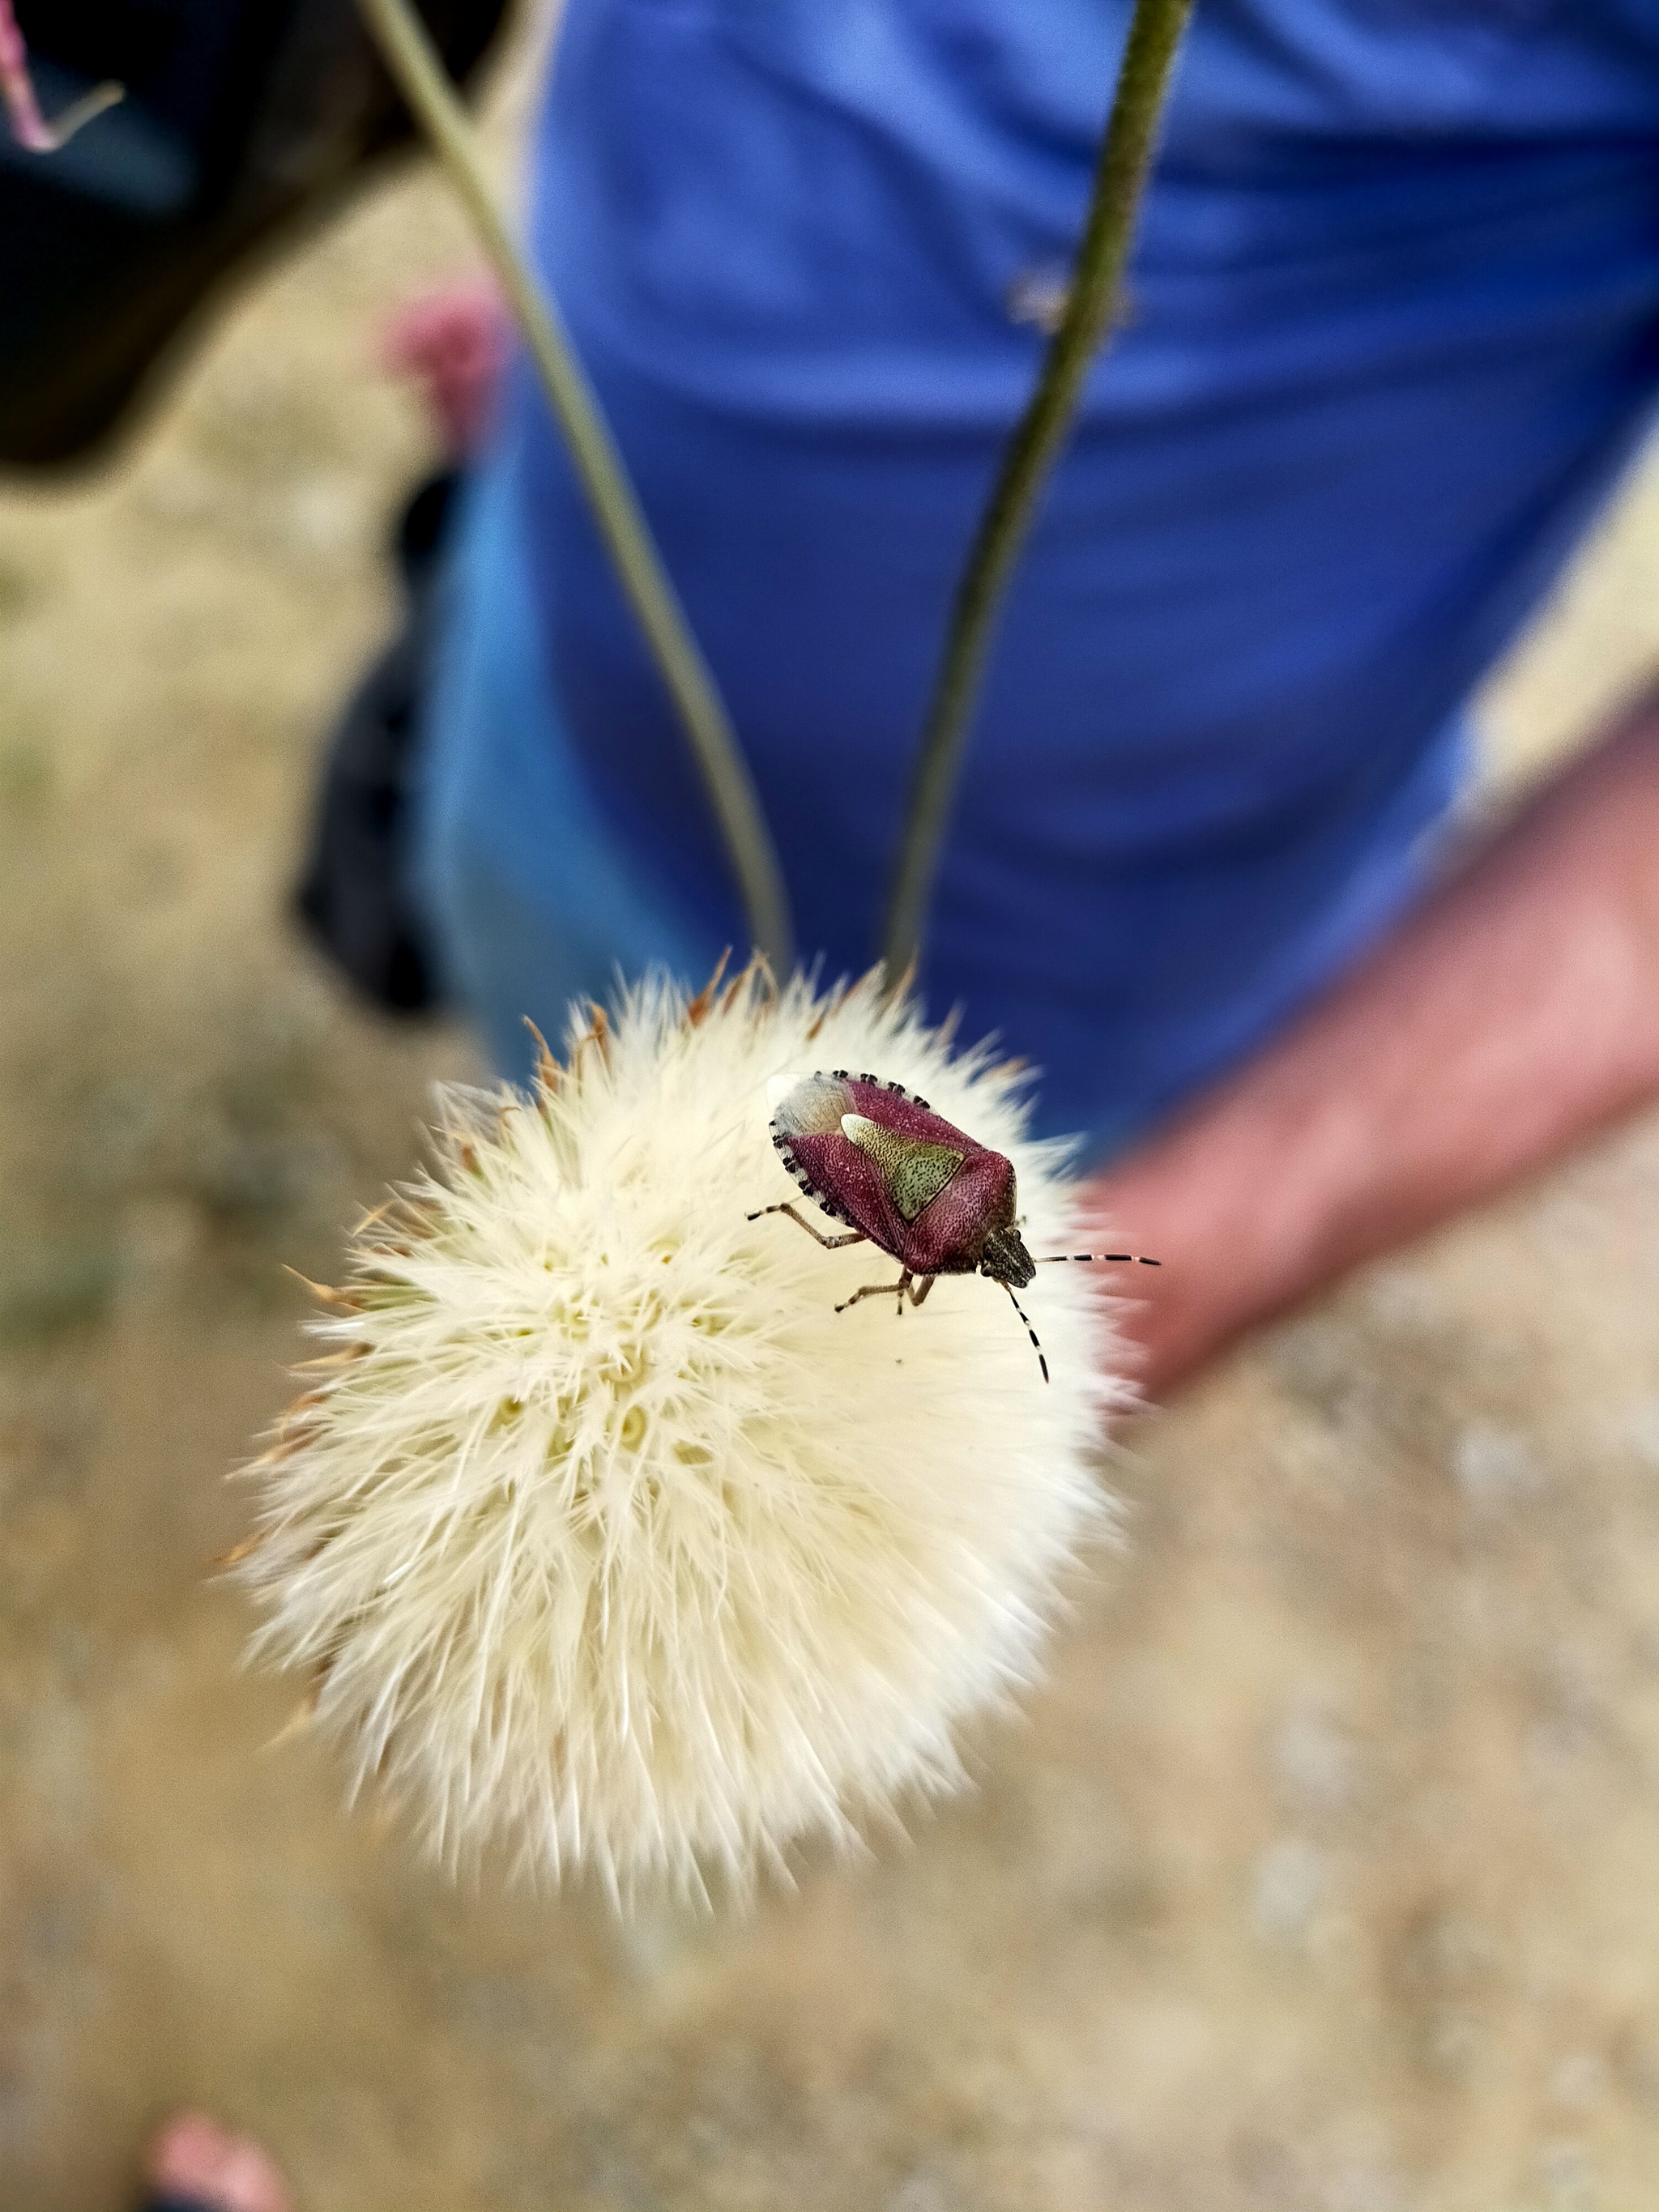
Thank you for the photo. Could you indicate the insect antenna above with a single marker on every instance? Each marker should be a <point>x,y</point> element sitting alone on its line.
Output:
<point>1121,1259</point>
<point>1029,1331</point>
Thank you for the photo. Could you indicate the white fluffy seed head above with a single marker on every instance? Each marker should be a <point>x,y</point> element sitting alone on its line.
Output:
<point>603,1536</point>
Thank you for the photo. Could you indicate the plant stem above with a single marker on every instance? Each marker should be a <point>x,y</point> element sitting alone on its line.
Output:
<point>1120,177</point>
<point>403,41</point>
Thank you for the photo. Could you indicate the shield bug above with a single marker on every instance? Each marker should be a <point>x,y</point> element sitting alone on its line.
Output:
<point>874,1155</point>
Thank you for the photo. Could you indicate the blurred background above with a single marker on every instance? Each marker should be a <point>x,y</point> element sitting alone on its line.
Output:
<point>1319,1875</point>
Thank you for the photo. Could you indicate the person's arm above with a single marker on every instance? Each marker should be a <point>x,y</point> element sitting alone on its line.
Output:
<point>1517,1012</point>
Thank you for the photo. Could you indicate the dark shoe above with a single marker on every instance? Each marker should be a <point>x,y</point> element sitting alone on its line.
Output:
<point>241,118</point>
<point>354,895</point>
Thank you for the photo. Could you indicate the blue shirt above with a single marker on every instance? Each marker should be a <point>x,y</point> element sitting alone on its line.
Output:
<point>1393,329</point>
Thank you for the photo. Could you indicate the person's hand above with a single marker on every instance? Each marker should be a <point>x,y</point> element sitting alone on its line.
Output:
<point>1515,1013</point>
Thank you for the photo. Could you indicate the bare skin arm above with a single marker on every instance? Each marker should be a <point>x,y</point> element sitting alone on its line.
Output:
<point>1517,1012</point>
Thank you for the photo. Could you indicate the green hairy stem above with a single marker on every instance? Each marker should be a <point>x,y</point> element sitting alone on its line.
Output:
<point>1155,35</point>
<point>408,53</point>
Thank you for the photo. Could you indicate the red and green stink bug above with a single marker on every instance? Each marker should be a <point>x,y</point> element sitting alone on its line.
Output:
<point>875,1156</point>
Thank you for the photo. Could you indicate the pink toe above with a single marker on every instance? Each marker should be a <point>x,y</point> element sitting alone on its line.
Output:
<point>193,2156</point>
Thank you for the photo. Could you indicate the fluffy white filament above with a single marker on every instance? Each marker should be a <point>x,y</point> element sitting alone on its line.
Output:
<point>602,1533</point>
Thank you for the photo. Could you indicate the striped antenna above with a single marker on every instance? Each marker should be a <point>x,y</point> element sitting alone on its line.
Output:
<point>1029,1331</point>
<point>1118,1259</point>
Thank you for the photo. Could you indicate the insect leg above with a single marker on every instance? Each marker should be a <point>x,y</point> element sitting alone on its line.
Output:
<point>1029,1331</point>
<point>880,1290</point>
<point>905,1288</point>
<point>829,1243</point>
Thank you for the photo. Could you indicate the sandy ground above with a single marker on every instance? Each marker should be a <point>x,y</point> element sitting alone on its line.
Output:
<point>1321,1875</point>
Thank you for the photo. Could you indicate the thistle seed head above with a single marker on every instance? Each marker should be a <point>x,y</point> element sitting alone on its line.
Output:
<point>600,1534</point>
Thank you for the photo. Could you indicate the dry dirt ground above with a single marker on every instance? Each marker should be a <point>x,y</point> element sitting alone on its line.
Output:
<point>1321,1873</point>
